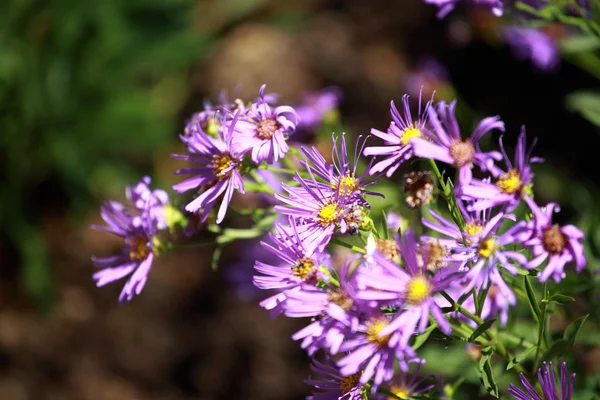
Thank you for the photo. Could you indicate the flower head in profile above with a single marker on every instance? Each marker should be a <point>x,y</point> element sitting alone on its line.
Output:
<point>138,225</point>
<point>405,385</point>
<point>263,130</point>
<point>511,184</point>
<point>217,171</point>
<point>330,384</point>
<point>547,381</point>
<point>398,139</point>
<point>559,245</point>
<point>446,6</point>
<point>444,142</point>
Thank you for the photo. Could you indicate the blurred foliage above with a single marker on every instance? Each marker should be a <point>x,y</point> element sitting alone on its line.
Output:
<point>88,91</point>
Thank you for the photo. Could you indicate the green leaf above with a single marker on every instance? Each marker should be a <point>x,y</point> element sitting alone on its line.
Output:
<point>579,43</point>
<point>481,329</point>
<point>571,332</point>
<point>422,338</point>
<point>214,264</point>
<point>519,358</point>
<point>486,373</point>
<point>557,349</point>
<point>586,103</point>
<point>533,303</point>
<point>560,299</point>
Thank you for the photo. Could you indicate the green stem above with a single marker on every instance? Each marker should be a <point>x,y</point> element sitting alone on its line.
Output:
<point>348,245</point>
<point>541,329</point>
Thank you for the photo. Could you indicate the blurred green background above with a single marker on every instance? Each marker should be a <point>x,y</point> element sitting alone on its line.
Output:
<point>93,95</point>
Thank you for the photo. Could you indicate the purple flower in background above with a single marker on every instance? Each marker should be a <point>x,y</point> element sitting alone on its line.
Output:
<point>446,6</point>
<point>405,385</point>
<point>398,139</point>
<point>263,130</point>
<point>429,76</point>
<point>547,382</point>
<point>331,384</point>
<point>410,288</point>
<point>217,174</point>
<point>535,45</point>
<point>511,185</point>
<point>560,245</point>
<point>444,142</point>
<point>315,106</point>
<point>138,226</point>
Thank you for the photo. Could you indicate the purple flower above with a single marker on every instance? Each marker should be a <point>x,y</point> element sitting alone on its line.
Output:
<point>511,185</point>
<point>315,107</point>
<point>560,245</point>
<point>547,382</point>
<point>405,385</point>
<point>138,226</point>
<point>298,267</point>
<point>263,130</point>
<point>331,384</point>
<point>217,174</point>
<point>398,139</point>
<point>411,288</point>
<point>446,6</point>
<point>446,144</point>
<point>429,76</point>
<point>535,45</point>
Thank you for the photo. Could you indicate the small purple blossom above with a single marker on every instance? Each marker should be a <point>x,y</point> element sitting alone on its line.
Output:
<point>331,384</point>
<point>547,381</point>
<point>315,107</point>
<point>263,130</point>
<point>444,141</point>
<point>217,173</point>
<point>446,6</point>
<point>138,226</point>
<point>398,145</point>
<point>510,186</point>
<point>559,245</point>
<point>535,45</point>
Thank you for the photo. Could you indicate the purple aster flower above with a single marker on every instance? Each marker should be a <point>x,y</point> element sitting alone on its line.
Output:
<point>535,45</point>
<point>446,144</point>
<point>316,106</point>
<point>411,288</point>
<point>560,245</point>
<point>429,76</point>
<point>511,185</point>
<point>446,6</point>
<point>405,385</point>
<point>398,139</point>
<point>332,385</point>
<point>299,267</point>
<point>546,378</point>
<point>138,226</point>
<point>263,130</point>
<point>373,353</point>
<point>217,174</point>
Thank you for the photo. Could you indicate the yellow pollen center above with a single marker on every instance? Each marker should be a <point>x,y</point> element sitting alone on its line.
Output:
<point>375,326</point>
<point>510,182</point>
<point>222,166</point>
<point>409,133</point>
<point>348,383</point>
<point>304,269</point>
<point>488,247</point>
<point>473,228</point>
<point>328,214</point>
<point>348,184</point>
<point>138,247</point>
<point>418,290</point>
<point>399,391</point>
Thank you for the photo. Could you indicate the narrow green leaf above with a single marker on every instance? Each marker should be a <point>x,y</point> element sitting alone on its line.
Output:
<point>422,338</point>
<point>533,304</point>
<point>519,358</point>
<point>486,373</point>
<point>481,329</point>
<point>560,299</point>
<point>386,229</point>
<point>571,332</point>
<point>214,264</point>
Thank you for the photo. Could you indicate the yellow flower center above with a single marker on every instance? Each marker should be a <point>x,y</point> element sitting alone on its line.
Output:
<point>138,247</point>
<point>329,213</point>
<point>418,290</point>
<point>374,326</point>
<point>473,228</point>
<point>348,383</point>
<point>348,184</point>
<point>399,391</point>
<point>488,247</point>
<point>304,269</point>
<point>409,133</point>
<point>510,182</point>
<point>223,166</point>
